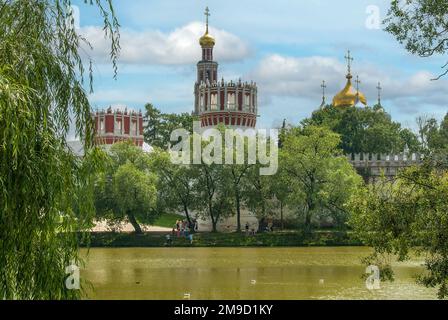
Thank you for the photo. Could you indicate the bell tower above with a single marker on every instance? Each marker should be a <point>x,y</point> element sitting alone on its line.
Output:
<point>207,69</point>
<point>233,104</point>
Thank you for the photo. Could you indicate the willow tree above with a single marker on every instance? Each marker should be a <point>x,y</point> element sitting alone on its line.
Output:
<point>42,185</point>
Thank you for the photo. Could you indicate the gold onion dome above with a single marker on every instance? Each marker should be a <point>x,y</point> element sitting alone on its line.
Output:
<point>207,40</point>
<point>349,96</point>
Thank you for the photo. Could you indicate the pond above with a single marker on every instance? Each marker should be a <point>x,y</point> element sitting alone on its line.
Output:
<point>242,273</point>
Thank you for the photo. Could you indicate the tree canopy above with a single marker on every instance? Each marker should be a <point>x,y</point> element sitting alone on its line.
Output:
<point>160,126</point>
<point>364,130</point>
<point>41,88</point>
<point>421,26</point>
<point>405,215</point>
<point>320,178</point>
<point>127,190</point>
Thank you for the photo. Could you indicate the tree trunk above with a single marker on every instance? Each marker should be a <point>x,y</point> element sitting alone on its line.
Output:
<point>133,221</point>
<point>214,222</point>
<point>214,226</point>
<point>187,214</point>
<point>238,213</point>
<point>308,221</point>
<point>281,216</point>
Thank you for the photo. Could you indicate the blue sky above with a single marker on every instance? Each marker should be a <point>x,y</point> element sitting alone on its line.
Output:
<point>287,47</point>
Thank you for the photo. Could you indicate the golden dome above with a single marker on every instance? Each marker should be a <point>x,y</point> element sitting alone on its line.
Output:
<point>349,96</point>
<point>207,40</point>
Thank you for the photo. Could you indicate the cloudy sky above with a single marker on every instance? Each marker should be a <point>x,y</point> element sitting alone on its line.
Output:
<point>287,47</point>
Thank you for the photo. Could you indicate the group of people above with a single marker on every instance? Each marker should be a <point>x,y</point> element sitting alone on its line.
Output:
<point>183,228</point>
<point>252,232</point>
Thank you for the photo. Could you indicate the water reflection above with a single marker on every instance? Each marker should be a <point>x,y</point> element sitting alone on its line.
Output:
<point>238,273</point>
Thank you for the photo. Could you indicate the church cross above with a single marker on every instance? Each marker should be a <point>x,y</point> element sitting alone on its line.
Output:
<point>349,59</point>
<point>379,88</point>
<point>323,86</point>
<point>207,15</point>
<point>358,82</point>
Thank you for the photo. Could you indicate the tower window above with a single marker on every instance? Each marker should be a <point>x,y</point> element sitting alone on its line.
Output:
<point>118,128</point>
<point>202,99</point>
<point>231,101</point>
<point>214,101</point>
<point>133,128</point>
<point>247,101</point>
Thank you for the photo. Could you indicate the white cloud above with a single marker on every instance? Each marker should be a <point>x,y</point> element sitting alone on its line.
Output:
<point>300,77</point>
<point>180,46</point>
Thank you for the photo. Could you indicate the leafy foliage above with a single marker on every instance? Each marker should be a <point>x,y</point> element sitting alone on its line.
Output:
<point>411,212</point>
<point>365,130</point>
<point>318,176</point>
<point>160,126</point>
<point>434,136</point>
<point>420,25</point>
<point>127,189</point>
<point>43,188</point>
<point>176,184</point>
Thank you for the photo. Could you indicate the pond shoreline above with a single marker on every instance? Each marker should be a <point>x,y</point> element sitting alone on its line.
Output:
<point>222,240</point>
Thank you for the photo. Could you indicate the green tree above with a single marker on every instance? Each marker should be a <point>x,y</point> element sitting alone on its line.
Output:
<point>434,136</point>
<point>260,195</point>
<point>421,26</point>
<point>238,175</point>
<point>127,189</point>
<point>365,130</point>
<point>410,213</point>
<point>135,195</point>
<point>214,187</point>
<point>176,183</point>
<point>214,184</point>
<point>160,126</point>
<point>41,85</point>
<point>319,176</point>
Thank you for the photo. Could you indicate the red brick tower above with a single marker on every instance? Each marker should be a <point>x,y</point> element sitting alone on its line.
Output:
<point>118,126</point>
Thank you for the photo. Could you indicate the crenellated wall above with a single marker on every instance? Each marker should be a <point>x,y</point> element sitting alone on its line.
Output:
<point>373,166</point>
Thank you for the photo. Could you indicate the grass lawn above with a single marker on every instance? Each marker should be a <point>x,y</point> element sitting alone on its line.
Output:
<point>168,220</point>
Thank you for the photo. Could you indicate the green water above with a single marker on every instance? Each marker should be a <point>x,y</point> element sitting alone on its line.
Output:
<point>238,273</point>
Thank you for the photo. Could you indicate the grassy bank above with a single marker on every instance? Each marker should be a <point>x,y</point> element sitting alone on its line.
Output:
<point>277,239</point>
<point>168,220</point>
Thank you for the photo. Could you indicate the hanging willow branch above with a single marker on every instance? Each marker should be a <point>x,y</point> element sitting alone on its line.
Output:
<point>44,189</point>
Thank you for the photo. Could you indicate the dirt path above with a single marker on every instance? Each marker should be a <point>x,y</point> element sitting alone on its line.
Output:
<point>102,226</point>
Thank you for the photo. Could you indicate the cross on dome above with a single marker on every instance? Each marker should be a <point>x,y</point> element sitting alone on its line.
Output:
<point>349,59</point>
